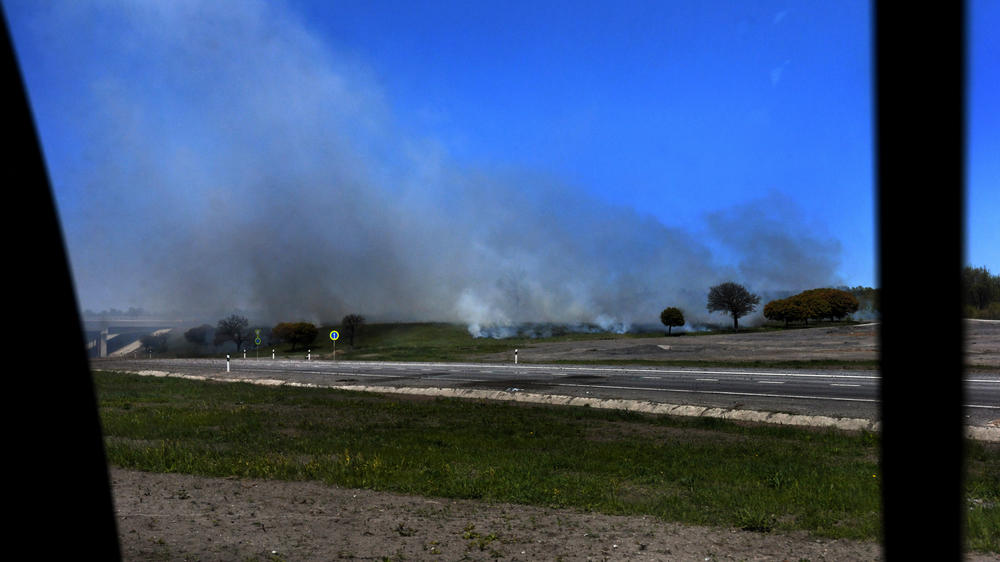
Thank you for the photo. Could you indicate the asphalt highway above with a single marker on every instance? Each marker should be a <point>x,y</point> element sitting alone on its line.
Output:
<point>836,393</point>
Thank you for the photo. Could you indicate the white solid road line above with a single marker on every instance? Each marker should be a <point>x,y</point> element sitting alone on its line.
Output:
<point>528,367</point>
<point>721,392</point>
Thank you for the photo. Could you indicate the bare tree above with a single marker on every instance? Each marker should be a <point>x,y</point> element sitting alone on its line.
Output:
<point>234,328</point>
<point>352,325</point>
<point>732,299</point>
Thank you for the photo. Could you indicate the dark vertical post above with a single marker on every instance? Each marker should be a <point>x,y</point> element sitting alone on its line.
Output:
<point>919,83</point>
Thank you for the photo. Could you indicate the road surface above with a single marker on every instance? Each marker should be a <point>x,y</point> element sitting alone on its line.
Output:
<point>839,393</point>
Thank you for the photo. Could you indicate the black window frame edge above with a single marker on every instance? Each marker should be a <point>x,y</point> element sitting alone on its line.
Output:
<point>919,80</point>
<point>56,453</point>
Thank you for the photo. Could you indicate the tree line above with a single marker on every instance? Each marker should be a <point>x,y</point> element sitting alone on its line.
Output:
<point>814,304</point>
<point>981,293</point>
<point>236,328</point>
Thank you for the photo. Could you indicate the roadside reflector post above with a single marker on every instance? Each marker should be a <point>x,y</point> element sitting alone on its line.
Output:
<point>227,362</point>
<point>515,356</point>
<point>309,355</point>
<point>272,354</point>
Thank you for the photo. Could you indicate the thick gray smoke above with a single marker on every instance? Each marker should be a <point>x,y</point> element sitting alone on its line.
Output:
<point>234,160</point>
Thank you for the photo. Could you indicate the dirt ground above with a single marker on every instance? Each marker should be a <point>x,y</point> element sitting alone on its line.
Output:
<point>849,343</point>
<point>179,517</point>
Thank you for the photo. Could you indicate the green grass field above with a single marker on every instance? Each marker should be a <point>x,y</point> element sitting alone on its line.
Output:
<point>700,471</point>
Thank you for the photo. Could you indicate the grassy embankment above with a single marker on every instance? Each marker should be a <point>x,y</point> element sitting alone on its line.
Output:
<point>700,471</point>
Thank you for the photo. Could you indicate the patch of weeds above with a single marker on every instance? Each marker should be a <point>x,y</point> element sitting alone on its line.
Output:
<point>779,479</point>
<point>432,548</point>
<point>405,531</point>
<point>477,539</point>
<point>754,520</point>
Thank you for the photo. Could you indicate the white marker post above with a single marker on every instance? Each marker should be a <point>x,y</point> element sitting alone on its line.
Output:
<point>272,354</point>
<point>333,336</point>
<point>309,355</point>
<point>227,362</point>
<point>244,353</point>
<point>515,356</point>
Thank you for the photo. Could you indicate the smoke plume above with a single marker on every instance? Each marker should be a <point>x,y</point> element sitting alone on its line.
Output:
<point>228,159</point>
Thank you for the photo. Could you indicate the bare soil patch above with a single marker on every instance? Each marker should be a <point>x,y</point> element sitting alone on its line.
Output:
<point>848,343</point>
<point>180,517</point>
<point>845,343</point>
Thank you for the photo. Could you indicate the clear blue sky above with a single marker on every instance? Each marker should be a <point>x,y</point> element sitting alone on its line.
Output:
<point>743,126</point>
<point>677,109</point>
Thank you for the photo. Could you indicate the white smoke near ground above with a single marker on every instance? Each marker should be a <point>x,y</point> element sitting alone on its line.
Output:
<point>234,160</point>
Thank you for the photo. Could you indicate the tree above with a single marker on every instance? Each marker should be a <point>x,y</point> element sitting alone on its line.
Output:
<point>198,335</point>
<point>830,303</point>
<point>980,286</point>
<point>671,317</point>
<point>842,303</point>
<point>351,325</point>
<point>732,299</point>
<point>792,309</point>
<point>295,333</point>
<point>814,304</point>
<point>868,298</point>
<point>778,310</point>
<point>235,328</point>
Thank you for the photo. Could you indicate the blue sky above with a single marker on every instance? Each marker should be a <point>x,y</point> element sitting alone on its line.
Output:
<point>983,129</point>
<point>735,138</point>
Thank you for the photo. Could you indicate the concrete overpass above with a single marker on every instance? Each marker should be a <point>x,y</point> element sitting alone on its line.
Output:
<point>110,336</point>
